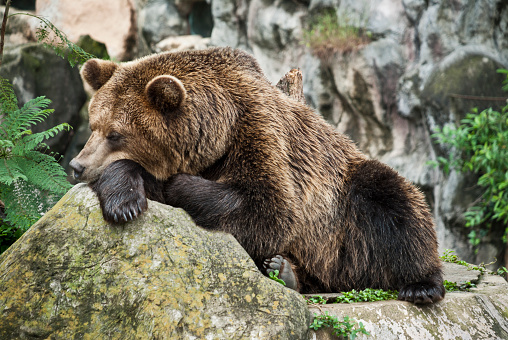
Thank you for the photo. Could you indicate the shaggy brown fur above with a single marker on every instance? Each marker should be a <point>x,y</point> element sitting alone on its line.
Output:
<point>206,131</point>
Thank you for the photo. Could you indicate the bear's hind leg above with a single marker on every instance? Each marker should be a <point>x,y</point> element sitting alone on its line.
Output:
<point>286,272</point>
<point>427,291</point>
<point>396,232</point>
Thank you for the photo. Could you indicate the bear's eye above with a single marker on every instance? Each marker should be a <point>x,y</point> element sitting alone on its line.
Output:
<point>114,137</point>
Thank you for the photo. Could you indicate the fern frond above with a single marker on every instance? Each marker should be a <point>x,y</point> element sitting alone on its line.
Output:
<point>20,120</point>
<point>42,171</point>
<point>22,205</point>
<point>4,145</point>
<point>10,171</point>
<point>33,141</point>
<point>34,111</point>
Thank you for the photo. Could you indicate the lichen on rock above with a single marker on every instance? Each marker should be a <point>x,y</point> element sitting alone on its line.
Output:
<point>161,276</point>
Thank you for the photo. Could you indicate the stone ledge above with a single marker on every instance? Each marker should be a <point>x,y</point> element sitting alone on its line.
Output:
<point>479,314</point>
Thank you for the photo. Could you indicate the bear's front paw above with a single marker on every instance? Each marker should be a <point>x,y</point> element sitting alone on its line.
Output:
<point>124,206</point>
<point>121,191</point>
<point>286,273</point>
<point>422,293</point>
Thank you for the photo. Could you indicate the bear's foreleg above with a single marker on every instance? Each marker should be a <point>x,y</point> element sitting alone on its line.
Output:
<point>250,213</point>
<point>121,191</point>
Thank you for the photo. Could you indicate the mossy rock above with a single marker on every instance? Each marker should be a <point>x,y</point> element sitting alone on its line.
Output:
<point>88,44</point>
<point>72,275</point>
<point>463,82</point>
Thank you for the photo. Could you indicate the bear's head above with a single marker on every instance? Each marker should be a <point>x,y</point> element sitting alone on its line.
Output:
<point>171,112</point>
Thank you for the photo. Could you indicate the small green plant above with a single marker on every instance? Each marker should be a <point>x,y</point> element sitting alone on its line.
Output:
<point>275,276</point>
<point>346,328</point>
<point>454,287</point>
<point>367,295</point>
<point>450,256</point>
<point>329,33</point>
<point>501,272</point>
<point>30,179</point>
<point>316,300</point>
<point>480,145</point>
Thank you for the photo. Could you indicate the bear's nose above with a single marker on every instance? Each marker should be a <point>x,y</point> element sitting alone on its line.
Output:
<point>77,167</point>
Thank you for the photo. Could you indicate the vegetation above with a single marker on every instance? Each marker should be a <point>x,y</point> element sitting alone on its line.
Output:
<point>454,287</point>
<point>329,33</point>
<point>275,276</point>
<point>450,256</point>
<point>480,145</point>
<point>367,295</point>
<point>31,180</point>
<point>346,328</point>
<point>316,300</point>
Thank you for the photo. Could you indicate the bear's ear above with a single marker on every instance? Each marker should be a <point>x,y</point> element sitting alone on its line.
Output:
<point>96,72</point>
<point>165,92</point>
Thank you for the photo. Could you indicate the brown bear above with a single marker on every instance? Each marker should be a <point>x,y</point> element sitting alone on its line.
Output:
<point>206,131</point>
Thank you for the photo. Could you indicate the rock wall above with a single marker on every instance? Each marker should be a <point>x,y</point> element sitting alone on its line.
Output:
<point>112,22</point>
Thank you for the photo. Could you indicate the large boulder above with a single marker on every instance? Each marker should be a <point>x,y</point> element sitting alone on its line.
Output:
<point>72,275</point>
<point>112,22</point>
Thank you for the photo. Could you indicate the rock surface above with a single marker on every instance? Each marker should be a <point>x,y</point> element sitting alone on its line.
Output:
<point>112,22</point>
<point>73,275</point>
<point>479,314</point>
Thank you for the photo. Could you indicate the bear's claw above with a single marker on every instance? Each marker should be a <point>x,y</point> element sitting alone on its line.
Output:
<point>124,207</point>
<point>286,273</point>
<point>423,292</point>
<point>121,191</point>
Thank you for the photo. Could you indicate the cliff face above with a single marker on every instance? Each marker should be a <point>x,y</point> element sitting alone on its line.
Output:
<point>425,64</point>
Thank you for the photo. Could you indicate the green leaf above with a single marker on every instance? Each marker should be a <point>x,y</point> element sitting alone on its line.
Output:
<point>482,139</point>
<point>10,171</point>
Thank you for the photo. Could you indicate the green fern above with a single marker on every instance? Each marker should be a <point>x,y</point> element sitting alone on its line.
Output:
<point>31,181</point>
